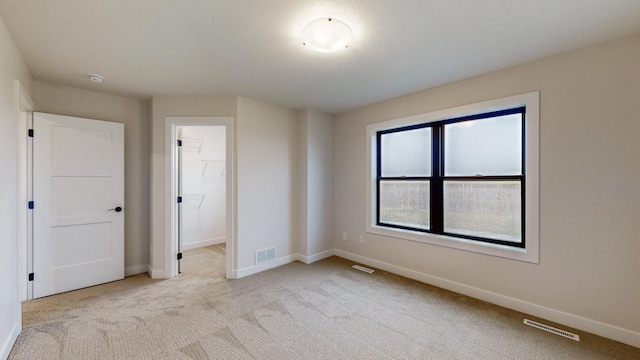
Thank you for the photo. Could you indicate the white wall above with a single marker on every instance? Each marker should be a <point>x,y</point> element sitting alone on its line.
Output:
<point>135,116</point>
<point>264,183</point>
<point>171,106</point>
<point>267,187</point>
<point>12,67</point>
<point>589,193</point>
<point>315,185</point>
<point>302,246</point>
<point>203,186</point>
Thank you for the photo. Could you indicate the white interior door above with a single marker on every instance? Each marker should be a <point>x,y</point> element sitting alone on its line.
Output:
<point>78,193</point>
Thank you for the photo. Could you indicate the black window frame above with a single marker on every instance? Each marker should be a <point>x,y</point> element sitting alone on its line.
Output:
<point>438,178</point>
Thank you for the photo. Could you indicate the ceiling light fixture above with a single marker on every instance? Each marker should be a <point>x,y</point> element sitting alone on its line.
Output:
<point>96,78</point>
<point>327,35</point>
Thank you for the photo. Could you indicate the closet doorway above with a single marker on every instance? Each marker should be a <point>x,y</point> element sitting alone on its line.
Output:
<point>199,183</point>
<point>202,175</point>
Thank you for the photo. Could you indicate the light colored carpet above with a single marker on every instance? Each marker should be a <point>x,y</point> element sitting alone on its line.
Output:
<point>325,310</point>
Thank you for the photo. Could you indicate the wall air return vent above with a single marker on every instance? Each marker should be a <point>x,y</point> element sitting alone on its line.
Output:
<point>265,255</point>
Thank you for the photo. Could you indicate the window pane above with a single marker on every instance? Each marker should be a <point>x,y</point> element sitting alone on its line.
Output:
<point>406,153</point>
<point>405,203</point>
<point>490,146</point>
<point>489,209</point>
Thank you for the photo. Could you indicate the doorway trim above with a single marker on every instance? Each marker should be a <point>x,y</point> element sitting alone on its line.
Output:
<point>171,191</point>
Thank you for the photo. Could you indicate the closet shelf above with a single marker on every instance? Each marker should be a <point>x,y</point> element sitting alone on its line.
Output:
<point>193,200</point>
<point>215,167</point>
<point>190,144</point>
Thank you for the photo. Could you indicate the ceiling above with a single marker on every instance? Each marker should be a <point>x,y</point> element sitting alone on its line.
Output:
<point>252,47</point>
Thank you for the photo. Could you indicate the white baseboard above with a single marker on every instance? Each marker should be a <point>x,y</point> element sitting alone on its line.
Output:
<point>7,345</point>
<point>135,270</point>
<point>315,257</point>
<point>595,327</point>
<point>250,270</point>
<point>203,243</point>
<point>156,274</point>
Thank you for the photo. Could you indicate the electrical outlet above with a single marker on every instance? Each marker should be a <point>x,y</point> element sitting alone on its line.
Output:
<point>344,236</point>
<point>361,240</point>
<point>279,241</point>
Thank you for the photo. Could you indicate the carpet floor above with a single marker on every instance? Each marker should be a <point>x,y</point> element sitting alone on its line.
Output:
<point>325,310</point>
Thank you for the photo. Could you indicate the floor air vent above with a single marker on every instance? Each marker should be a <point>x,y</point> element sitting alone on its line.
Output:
<point>265,255</point>
<point>551,329</point>
<point>362,268</point>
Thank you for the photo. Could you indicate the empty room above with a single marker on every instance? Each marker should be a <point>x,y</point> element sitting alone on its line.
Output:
<point>319,179</point>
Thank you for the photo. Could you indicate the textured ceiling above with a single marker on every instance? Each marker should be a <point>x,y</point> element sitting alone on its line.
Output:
<point>252,47</point>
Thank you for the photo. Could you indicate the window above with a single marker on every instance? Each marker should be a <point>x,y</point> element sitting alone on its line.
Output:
<point>461,177</point>
<point>464,178</point>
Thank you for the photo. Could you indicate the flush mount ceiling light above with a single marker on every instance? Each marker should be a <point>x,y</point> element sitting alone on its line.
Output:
<point>96,78</point>
<point>327,35</point>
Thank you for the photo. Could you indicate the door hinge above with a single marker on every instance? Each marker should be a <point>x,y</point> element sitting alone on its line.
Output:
<point>179,199</point>
<point>31,276</point>
<point>30,133</point>
<point>179,142</point>
<point>179,256</point>
<point>30,205</point>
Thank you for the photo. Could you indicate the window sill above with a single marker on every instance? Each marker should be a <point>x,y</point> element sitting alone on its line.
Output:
<point>513,253</point>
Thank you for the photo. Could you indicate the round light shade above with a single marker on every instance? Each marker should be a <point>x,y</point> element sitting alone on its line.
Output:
<point>327,35</point>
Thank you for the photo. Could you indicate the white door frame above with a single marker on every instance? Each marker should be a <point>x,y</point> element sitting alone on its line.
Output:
<point>25,107</point>
<point>171,191</point>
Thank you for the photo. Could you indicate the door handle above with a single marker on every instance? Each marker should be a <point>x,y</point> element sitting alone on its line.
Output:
<point>116,209</point>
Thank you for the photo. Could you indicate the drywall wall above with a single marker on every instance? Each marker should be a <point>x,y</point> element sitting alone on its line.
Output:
<point>135,115</point>
<point>320,182</point>
<point>12,67</point>
<point>266,177</point>
<point>173,106</point>
<point>315,185</point>
<point>302,182</point>
<point>203,185</point>
<point>589,193</point>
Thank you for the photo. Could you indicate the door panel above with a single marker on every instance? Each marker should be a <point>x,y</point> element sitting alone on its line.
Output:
<point>81,244</point>
<point>80,196</point>
<point>70,145</point>
<point>78,171</point>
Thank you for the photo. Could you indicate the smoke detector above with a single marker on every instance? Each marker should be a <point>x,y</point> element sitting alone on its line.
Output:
<point>96,78</point>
